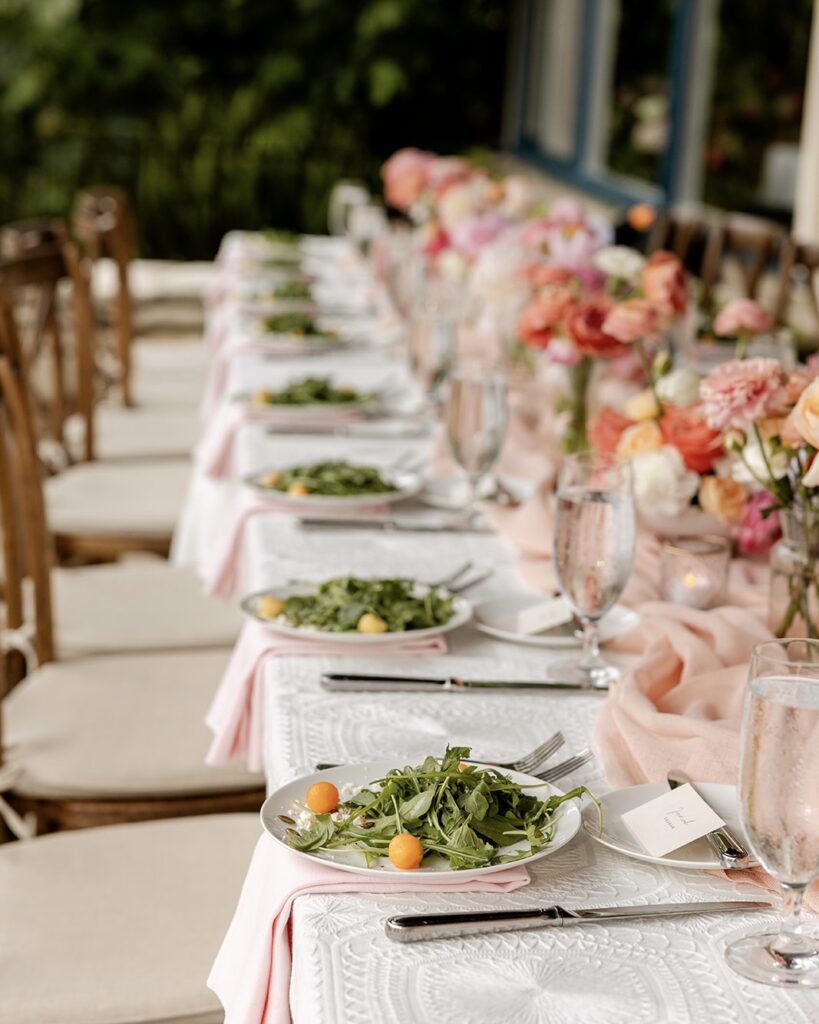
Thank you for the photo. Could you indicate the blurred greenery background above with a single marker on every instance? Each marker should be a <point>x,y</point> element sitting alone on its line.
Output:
<point>216,114</point>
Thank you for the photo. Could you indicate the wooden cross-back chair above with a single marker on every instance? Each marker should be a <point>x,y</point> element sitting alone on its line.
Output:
<point>101,222</point>
<point>36,261</point>
<point>755,243</point>
<point>800,267</point>
<point>685,232</point>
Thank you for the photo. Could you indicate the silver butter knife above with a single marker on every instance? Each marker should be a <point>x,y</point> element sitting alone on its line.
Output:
<point>403,524</point>
<point>358,682</point>
<point>420,927</point>
<point>731,852</point>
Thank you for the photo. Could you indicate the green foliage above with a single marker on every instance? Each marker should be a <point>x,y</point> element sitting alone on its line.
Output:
<point>234,113</point>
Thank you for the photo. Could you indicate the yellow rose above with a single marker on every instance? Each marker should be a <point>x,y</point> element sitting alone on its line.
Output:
<point>639,439</point>
<point>723,498</point>
<point>642,406</point>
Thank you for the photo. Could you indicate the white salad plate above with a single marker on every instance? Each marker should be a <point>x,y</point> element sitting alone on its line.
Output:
<point>461,614</point>
<point>310,412</point>
<point>695,856</point>
<point>348,778</point>
<point>405,485</point>
<point>497,617</point>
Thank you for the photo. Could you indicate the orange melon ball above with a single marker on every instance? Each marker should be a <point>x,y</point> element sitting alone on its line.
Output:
<point>269,607</point>
<point>298,490</point>
<point>322,798</point>
<point>406,852</point>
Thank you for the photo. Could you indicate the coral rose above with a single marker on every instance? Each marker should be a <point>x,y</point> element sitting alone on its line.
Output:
<point>606,428</point>
<point>639,439</point>
<point>539,320</point>
<point>685,429</point>
<point>736,394</point>
<point>632,320</point>
<point>586,328</point>
<point>723,498</point>
<point>663,281</point>
<point>742,316</point>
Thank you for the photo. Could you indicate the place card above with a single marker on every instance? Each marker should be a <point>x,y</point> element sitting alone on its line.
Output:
<point>672,820</point>
<point>543,616</point>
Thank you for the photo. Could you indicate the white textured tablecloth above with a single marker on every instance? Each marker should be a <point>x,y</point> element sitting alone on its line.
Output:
<point>344,969</point>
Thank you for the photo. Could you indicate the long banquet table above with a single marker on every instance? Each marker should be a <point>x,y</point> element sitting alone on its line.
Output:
<point>344,968</point>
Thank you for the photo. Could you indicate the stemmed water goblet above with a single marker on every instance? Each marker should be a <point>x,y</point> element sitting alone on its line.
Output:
<point>779,803</point>
<point>593,554</point>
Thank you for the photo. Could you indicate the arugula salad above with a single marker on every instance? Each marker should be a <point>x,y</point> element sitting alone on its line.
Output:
<point>471,816</point>
<point>295,323</point>
<point>347,603</point>
<point>313,391</point>
<point>337,479</point>
<point>292,290</point>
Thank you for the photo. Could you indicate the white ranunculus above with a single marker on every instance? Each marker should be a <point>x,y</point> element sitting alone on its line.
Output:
<point>662,484</point>
<point>751,468</point>
<point>680,387</point>
<point>497,273</point>
<point>619,261</point>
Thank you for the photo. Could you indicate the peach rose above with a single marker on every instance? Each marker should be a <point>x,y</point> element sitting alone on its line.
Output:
<point>664,283</point>
<point>606,428</point>
<point>539,319</point>
<point>742,316</point>
<point>642,406</point>
<point>632,320</point>
<point>685,429</point>
<point>804,422</point>
<point>641,438</point>
<point>723,498</point>
<point>586,328</point>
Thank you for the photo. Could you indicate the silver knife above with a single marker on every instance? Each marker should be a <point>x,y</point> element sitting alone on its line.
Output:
<point>360,682</point>
<point>364,433</point>
<point>420,927</point>
<point>398,525</point>
<point>731,852</point>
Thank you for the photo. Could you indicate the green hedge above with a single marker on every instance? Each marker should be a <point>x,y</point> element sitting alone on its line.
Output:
<point>234,113</point>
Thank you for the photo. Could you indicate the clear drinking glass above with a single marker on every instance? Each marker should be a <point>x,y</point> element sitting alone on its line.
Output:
<point>432,339</point>
<point>344,196</point>
<point>593,553</point>
<point>476,423</point>
<point>779,803</point>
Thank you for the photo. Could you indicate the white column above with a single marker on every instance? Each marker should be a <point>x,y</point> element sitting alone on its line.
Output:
<point>806,207</point>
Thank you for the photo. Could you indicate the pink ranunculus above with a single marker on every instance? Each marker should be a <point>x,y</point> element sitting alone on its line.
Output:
<point>405,176</point>
<point>663,281</point>
<point>544,313</point>
<point>472,234</point>
<point>586,327</point>
<point>632,320</point>
<point>544,275</point>
<point>757,535</point>
<point>738,393</point>
<point>444,171</point>
<point>742,316</point>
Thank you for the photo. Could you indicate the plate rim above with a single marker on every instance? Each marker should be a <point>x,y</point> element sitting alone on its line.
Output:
<point>349,501</point>
<point>573,808</point>
<point>544,641</point>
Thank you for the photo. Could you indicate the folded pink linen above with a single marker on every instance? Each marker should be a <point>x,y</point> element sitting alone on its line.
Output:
<point>221,565</point>
<point>251,974</point>
<point>217,378</point>
<point>235,715</point>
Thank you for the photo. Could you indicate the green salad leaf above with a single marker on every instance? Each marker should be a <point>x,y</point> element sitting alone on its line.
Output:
<point>337,479</point>
<point>471,816</point>
<point>280,236</point>
<point>295,323</point>
<point>339,604</point>
<point>292,290</point>
<point>313,391</point>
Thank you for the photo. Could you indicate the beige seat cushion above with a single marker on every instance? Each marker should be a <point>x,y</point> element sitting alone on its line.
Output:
<point>169,372</point>
<point>120,925</point>
<point>123,726</point>
<point>147,433</point>
<point>118,499</point>
<point>137,606</point>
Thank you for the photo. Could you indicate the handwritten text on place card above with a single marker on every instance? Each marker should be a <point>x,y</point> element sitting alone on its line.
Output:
<point>537,618</point>
<point>672,820</point>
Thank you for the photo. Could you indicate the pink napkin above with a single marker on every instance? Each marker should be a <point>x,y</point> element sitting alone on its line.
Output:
<point>251,974</point>
<point>235,715</point>
<point>220,569</point>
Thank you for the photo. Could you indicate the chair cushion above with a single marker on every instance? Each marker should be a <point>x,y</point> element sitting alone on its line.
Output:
<point>137,606</point>
<point>124,726</point>
<point>120,925</point>
<point>147,433</point>
<point>169,372</point>
<point>118,499</point>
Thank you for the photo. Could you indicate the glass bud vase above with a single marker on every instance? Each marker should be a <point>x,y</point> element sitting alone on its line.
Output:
<point>793,601</point>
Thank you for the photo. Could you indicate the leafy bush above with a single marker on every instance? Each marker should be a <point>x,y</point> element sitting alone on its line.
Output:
<point>234,113</point>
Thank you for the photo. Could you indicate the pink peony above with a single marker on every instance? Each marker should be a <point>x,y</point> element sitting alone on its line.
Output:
<point>663,281</point>
<point>632,320</point>
<point>738,393</point>
<point>757,535</point>
<point>742,316</point>
<point>405,176</point>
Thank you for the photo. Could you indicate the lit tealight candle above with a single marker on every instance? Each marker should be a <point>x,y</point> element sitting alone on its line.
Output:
<point>695,570</point>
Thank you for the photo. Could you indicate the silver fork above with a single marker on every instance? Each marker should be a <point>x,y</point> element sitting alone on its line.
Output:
<point>571,764</point>
<point>472,582</point>
<point>526,764</point>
